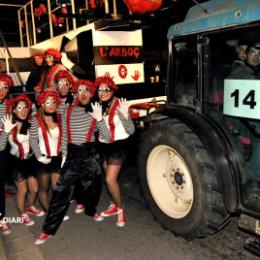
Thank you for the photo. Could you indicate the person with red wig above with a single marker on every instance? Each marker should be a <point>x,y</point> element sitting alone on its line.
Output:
<point>116,116</point>
<point>45,140</point>
<point>6,82</point>
<point>64,82</point>
<point>80,164</point>
<point>16,133</point>
<point>35,75</point>
<point>53,66</point>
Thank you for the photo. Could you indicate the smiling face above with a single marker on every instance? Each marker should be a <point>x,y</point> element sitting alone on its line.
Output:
<point>3,90</point>
<point>84,95</point>
<point>63,87</point>
<point>49,105</point>
<point>21,110</point>
<point>104,92</point>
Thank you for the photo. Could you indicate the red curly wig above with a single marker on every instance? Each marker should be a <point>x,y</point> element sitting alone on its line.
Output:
<point>48,93</point>
<point>7,79</point>
<point>63,74</point>
<point>24,98</point>
<point>54,53</point>
<point>106,80</point>
<point>87,83</point>
<point>38,54</point>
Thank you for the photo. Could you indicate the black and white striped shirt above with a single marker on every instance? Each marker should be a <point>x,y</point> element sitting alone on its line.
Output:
<point>37,140</point>
<point>3,135</point>
<point>80,122</point>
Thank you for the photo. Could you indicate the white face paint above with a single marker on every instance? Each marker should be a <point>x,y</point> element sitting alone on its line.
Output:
<point>84,94</point>
<point>21,110</point>
<point>49,101</point>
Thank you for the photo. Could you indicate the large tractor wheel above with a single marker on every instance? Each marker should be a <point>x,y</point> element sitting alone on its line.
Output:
<point>179,181</point>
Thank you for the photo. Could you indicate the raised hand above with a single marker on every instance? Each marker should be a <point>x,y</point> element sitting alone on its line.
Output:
<point>8,125</point>
<point>123,107</point>
<point>97,111</point>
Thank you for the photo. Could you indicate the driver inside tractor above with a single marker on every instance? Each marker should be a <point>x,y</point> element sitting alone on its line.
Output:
<point>249,129</point>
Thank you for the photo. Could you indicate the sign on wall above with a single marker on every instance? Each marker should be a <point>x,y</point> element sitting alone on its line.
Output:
<point>242,98</point>
<point>119,54</point>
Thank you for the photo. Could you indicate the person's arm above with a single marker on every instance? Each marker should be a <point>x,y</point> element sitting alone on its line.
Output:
<point>34,138</point>
<point>100,125</point>
<point>64,139</point>
<point>3,139</point>
<point>127,123</point>
<point>123,113</point>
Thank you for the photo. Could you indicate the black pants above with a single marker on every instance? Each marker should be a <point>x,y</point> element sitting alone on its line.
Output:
<point>2,183</point>
<point>82,166</point>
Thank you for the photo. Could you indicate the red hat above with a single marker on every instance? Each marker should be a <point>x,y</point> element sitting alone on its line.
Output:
<point>7,79</point>
<point>87,83</point>
<point>64,74</point>
<point>24,98</point>
<point>48,93</point>
<point>38,54</point>
<point>106,80</point>
<point>54,53</point>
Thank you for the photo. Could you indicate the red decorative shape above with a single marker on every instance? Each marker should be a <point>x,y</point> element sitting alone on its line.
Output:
<point>143,6</point>
<point>136,75</point>
<point>43,8</point>
<point>54,19</point>
<point>64,10</point>
<point>37,12</point>
<point>122,71</point>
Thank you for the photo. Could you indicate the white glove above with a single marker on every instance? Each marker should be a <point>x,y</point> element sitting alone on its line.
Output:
<point>63,161</point>
<point>8,125</point>
<point>43,159</point>
<point>123,107</point>
<point>97,111</point>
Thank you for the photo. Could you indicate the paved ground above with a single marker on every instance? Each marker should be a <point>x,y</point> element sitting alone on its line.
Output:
<point>142,238</point>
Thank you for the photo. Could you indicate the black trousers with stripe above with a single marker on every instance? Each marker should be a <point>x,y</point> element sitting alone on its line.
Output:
<point>82,166</point>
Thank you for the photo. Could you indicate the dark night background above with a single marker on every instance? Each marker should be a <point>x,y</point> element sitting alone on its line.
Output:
<point>173,11</point>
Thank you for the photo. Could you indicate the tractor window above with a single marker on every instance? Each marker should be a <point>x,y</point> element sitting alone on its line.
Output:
<point>231,97</point>
<point>184,76</point>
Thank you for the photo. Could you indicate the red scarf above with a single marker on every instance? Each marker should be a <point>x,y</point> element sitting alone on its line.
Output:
<point>90,131</point>
<point>111,122</point>
<point>8,106</point>
<point>45,136</point>
<point>20,146</point>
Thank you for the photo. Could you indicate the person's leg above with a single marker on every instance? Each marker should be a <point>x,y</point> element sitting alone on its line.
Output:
<point>60,200</point>
<point>112,173</point>
<point>54,178</point>
<point>32,190</point>
<point>91,185</point>
<point>21,194</point>
<point>44,180</point>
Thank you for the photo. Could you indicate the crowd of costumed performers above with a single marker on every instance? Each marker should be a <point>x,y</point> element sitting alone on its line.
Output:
<point>64,134</point>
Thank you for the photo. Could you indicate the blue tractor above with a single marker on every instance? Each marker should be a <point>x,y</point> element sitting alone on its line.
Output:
<point>199,160</point>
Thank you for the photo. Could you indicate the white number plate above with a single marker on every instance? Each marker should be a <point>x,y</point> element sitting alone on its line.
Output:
<point>242,98</point>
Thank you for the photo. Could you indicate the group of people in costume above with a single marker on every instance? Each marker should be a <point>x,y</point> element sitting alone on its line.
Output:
<point>78,128</point>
